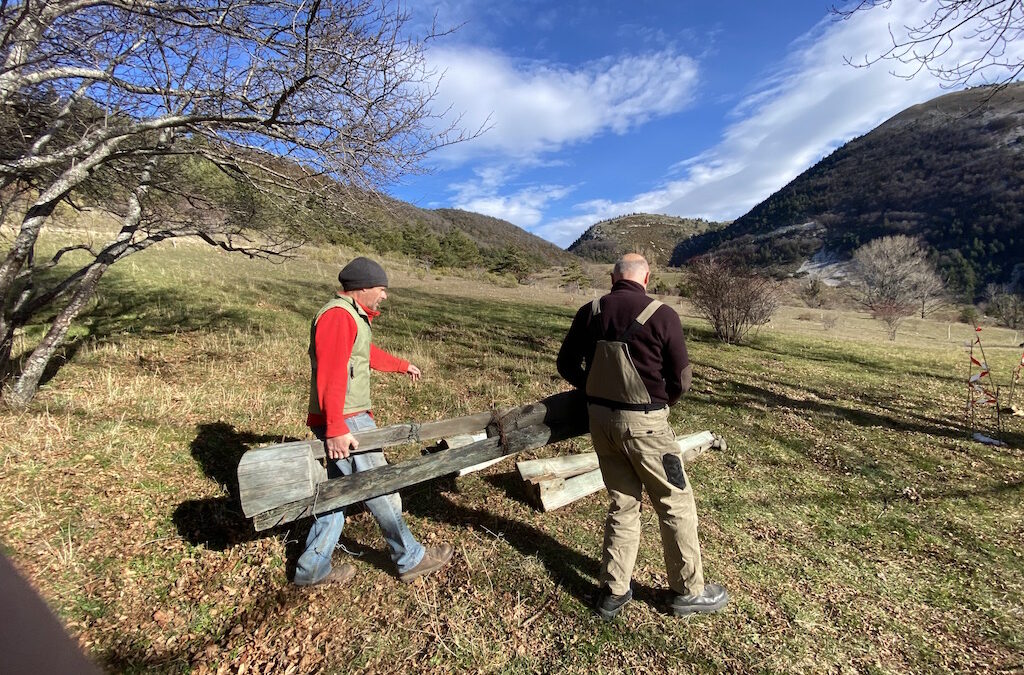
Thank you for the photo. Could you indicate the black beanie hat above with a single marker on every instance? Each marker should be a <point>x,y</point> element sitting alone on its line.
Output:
<point>362,273</point>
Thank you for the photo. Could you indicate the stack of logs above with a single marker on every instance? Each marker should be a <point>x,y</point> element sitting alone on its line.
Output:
<point>557,481</point>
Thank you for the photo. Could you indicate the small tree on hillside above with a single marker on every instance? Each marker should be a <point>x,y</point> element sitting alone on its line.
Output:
<point>732,298</point>
<point>890,275</point>
<point>930,291</point>
<point>574,277</point>
<point>812,290</point>
<point>511,260</point>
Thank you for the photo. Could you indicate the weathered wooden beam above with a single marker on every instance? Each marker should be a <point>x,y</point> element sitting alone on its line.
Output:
<point>400,434</point>
<point>466,439</point>
<point>563,466</point>
<point>558,492</point>
<point>277,475</point>
<point>557,481</point>
<point>554,419</point>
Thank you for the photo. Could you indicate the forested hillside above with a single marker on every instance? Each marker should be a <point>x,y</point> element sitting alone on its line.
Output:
<point>443,237</point>
<point>950,171</point>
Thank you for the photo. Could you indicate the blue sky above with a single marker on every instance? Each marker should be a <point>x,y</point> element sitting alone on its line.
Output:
<point>695,109</point>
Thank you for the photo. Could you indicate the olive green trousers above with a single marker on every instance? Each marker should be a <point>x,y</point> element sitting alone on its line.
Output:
<point>638,450</point>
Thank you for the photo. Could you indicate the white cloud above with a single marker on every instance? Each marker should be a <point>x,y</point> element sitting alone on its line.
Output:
<point>533,108</point>
<point>523,206</point>
<point>809,106</point>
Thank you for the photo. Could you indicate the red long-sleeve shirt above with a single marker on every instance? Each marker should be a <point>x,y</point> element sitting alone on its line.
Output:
<point>335,336</point>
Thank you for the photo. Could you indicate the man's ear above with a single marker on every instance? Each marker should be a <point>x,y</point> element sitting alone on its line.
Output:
<point>647,277</point>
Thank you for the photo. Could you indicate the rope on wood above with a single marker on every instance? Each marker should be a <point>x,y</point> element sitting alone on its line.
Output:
<point>502,423</point>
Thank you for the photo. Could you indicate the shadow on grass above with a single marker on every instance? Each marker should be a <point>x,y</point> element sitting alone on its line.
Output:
<point>748,393</point>
<point>218,522</point>
<point>573,571</point>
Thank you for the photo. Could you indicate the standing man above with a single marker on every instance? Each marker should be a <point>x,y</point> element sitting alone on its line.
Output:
<point>341,355</point>
<point>627,352</point>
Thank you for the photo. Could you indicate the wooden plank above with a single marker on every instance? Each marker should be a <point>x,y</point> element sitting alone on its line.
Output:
<point>400,434</point>
<point>554,419</point>
<point>466,439</point>
<point>561,491</point>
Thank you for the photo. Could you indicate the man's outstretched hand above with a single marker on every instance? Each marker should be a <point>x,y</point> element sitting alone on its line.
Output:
<point>413,372</point>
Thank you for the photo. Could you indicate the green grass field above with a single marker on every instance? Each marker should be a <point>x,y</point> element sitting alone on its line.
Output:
<point>855,526</point>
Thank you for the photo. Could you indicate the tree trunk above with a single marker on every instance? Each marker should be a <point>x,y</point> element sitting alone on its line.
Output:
<point>32,372</point>
<point>27,384</point>
<point>6,345</point>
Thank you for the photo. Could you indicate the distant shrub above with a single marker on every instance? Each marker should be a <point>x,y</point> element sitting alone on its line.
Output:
<point>829,322</point>
<point>659,287</point>
<point>731,297</point>
<point>806,316</point>
<point>502,280</point>
<point>683,287</point>
<point>969,314</point>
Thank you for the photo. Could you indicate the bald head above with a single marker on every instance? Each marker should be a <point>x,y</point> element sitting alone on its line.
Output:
<point>633,267</point>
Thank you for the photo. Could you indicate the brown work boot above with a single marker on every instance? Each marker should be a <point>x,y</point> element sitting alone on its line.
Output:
<point>434,559</point>
<point>338,576</point>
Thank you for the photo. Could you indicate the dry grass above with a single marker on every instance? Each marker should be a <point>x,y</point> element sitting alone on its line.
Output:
<point>856,528</point>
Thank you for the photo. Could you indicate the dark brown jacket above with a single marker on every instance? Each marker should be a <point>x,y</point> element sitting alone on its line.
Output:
<point>658,349</point>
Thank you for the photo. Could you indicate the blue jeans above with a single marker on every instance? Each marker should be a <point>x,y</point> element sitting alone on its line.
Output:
<point>315,562</point>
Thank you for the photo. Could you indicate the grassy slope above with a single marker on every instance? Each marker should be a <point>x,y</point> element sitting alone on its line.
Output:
<point>854,526</point>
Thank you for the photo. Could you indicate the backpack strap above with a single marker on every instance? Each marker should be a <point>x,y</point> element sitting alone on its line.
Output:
<point>640,320</point>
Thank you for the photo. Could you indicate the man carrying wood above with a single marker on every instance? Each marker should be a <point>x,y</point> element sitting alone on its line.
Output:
<point>627,352</point>
<point>341,356</point>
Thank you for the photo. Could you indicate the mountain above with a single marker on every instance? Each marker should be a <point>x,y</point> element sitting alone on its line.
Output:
<point>653,235</point>
<point>388,224</point>
<point>496,233</point>
<point>950,171</point>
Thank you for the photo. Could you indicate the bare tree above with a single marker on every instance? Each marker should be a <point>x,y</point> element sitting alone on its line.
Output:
<point>988,25</point>
<point>733,299</point>
<point>811,291</point>
<point>890,275</point>
<point>285,103</point>
<point>1005,305</point>
<point>930,290</point>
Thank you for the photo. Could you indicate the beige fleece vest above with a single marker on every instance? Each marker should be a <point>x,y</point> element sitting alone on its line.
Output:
<point>357,394</point>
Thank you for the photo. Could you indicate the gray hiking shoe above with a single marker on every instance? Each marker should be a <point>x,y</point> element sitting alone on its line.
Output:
<point>714,598</point>
<point>434,559</point>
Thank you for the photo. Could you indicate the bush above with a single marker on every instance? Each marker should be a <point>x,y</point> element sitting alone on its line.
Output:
<point>659,287</point>
<point>969,314</point>
<point>731,297</point>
